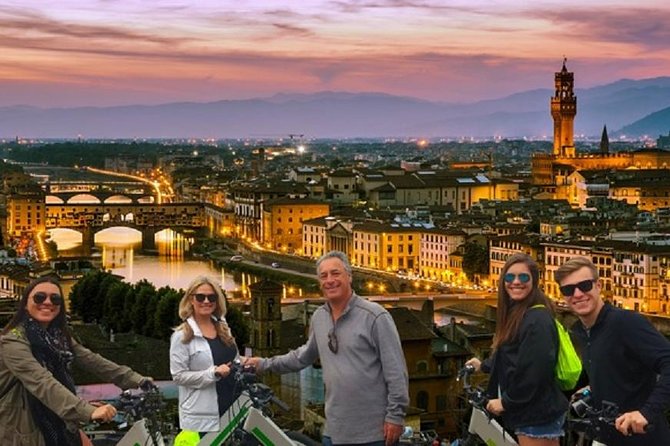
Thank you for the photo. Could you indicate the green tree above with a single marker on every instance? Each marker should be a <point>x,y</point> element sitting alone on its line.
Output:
<point>144,290</point>
<point>84,296</point>
<point>114,302</point>
<point>126,321</point>
<point>166,316</point>
<point>152,307</point>
<point>475,259</point>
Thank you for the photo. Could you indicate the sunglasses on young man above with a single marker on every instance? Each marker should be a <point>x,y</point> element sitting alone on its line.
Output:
<point>511,277</point>
<point>40,297</point>
<point>200,297</point>
<point>584,286</point>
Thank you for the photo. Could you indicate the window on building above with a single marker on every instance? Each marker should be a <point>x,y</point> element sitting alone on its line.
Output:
<point>422,400</point>
<point>441,402</point>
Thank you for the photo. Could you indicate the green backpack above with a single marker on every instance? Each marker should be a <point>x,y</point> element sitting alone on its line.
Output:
<point>568,364</point>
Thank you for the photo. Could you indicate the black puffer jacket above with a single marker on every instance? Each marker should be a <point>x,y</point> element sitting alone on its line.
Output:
<point>523,372</point>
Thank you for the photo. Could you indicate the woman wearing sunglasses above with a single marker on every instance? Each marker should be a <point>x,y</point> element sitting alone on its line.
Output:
<point>522,387</point>
<point>201,350</point>
<point>38,401</point>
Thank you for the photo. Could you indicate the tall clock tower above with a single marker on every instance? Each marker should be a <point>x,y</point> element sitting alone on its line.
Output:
<point>563,110</point>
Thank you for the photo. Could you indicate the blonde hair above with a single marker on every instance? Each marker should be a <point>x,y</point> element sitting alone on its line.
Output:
<point>186,311</point>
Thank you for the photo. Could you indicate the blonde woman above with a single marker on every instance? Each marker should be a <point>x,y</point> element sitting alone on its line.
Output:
<point>201,350</point>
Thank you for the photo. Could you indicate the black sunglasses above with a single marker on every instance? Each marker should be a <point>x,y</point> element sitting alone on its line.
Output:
<point>332,340</point>
<point>201,297</point>
<point>584,286</point>
<point>510,277</point>
<point>40,297</point>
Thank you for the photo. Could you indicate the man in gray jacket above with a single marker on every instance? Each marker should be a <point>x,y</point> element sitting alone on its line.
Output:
<point>364,368</point>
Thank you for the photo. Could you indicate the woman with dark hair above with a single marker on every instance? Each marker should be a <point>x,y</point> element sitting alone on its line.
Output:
<point>201,350</point>
<point>38,401</point>
<point>522,387</point>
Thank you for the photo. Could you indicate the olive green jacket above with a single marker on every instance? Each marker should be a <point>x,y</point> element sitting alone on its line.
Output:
<point>20,373</point>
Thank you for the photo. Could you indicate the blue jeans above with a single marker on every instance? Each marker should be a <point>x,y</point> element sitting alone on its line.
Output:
<point>326,441</point>
<point>551,430</point>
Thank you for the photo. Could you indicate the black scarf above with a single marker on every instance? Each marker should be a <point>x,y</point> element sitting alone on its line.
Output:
<point>52,349</point>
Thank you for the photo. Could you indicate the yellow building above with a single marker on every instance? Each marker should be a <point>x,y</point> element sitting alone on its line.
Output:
<point>387,246</point>
<point>283,218</point>
<point>26,213</point>
<point>436,245</point>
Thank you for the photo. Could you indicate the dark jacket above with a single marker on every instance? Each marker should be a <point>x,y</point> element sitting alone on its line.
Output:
<point>20,373</point>
<point>628,363</point>
<point>523,371</point>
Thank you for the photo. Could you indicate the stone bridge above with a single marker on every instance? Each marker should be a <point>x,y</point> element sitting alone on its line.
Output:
<point>61,192</point>
<point>149,219</point>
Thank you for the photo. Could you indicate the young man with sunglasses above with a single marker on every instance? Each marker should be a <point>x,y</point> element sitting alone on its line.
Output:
<point>363,363</point>
<point>627,361</point>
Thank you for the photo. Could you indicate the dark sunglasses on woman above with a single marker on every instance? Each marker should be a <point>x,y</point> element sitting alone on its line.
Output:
<point>201,297</point>
<point>40,297</point>
<point>510,277</point>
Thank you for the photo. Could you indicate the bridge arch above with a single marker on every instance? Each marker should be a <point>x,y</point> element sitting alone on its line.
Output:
<point>83,199</point>
<point>53,199</point>
<point>118,199</point>
<point>67,238</point>
<point>118,235</point>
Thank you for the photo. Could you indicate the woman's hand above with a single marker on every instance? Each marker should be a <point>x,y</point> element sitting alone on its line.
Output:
<point>103,413</point>
<point>222,370</point>
<point>476,363</point>
<point>495,406</point>
<point>147,383</point>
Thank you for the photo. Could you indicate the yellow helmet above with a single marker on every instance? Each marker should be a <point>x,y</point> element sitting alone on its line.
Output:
<point>187,438</point>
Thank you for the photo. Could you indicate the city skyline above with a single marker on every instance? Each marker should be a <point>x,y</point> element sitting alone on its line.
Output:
<point>122,52</point>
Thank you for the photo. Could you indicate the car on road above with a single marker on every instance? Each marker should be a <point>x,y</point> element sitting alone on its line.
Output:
<point>275,265</point>
<point>237,258</point>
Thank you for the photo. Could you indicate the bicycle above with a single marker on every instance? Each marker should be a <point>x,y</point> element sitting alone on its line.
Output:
<point>140,421</point>
<point>589,423</point>
<point>482,428</point>
<point>248,421</point>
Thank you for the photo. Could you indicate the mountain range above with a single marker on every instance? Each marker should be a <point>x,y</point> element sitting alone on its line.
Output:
<point>631,107</point>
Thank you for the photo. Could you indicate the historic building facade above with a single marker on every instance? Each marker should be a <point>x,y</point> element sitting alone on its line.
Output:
<point>551,172</point>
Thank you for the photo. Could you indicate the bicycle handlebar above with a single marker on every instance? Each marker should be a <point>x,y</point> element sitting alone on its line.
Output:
<point>476,396</point>
<point>593,422</point>
<point>260,394</point>
<point>147,403</point>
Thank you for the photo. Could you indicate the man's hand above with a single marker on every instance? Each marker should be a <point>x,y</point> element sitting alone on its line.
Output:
<point>392,433</point>
<point>495,406</point>
<point>631,423</point>
<point>251,361</point>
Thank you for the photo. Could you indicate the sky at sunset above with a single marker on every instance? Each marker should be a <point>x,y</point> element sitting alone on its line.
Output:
<point>115,52</point>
